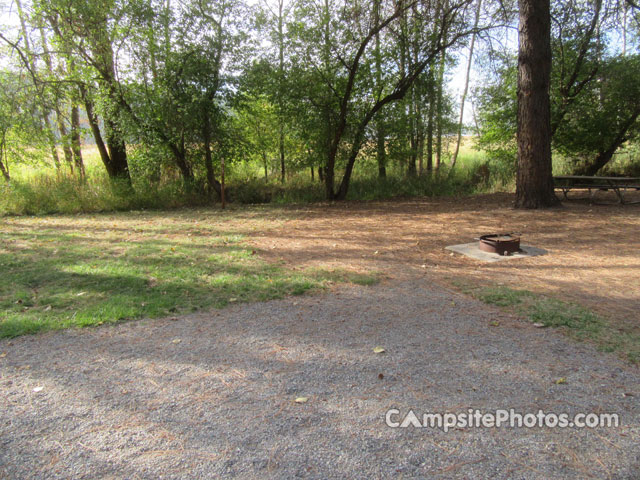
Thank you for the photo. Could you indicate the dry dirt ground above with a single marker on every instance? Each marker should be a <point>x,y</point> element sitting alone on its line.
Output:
<point>593,260</point>
<point>211,395</point>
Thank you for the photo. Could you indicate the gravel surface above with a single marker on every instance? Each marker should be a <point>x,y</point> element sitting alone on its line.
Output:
<point>212,395</point>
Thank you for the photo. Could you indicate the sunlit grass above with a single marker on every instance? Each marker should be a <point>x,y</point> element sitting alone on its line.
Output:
<point>75,271</point>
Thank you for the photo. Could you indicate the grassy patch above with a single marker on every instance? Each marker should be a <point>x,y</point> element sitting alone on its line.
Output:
<point>75,271</point>
<point>576,321</point>
<point>41,190</point>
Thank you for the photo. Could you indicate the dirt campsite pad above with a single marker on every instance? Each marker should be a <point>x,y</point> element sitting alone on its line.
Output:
<point>593,254</point>
<point>213,394</point>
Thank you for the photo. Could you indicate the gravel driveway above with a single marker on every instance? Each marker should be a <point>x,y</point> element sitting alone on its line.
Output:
<point>212,395</point>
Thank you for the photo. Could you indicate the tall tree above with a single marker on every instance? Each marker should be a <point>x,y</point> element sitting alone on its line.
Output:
<point>88,30</point>
<point>466,86</point>
<point>534,180</point>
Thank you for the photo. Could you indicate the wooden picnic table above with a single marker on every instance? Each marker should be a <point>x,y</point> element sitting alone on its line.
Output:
<point>619,185</point>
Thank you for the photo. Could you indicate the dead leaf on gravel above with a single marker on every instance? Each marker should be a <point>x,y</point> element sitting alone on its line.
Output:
<point>494,323</point>
<point>176,340</point>
<point>38,389</point>
<point>561,381</point>
<point>378,350</point>
<point>3,354</point>
<point>539,325</point>
<point>302,400</point>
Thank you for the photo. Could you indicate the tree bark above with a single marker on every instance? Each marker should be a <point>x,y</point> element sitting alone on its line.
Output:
<point>76,146</point>
<point>534,181</point>
<point>95,129</point>
<point>3,167</point>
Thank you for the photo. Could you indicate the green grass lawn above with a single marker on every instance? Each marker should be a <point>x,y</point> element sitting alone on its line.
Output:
<point>81,270</point>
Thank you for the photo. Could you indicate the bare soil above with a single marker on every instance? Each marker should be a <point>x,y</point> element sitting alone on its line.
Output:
<point>593,260</point>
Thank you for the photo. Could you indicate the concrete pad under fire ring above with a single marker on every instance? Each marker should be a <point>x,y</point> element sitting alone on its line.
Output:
<point>472,250</point>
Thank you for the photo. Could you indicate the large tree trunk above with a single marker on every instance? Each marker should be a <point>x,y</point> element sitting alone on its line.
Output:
<point>180,158</point>
<point>534,182</point>
<point>119,167</point>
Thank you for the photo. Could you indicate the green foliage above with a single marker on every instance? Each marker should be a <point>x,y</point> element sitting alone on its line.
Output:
<point>22,139</point>
<point>498,116</point>
<point>606,110</point>
<point>595,99</point>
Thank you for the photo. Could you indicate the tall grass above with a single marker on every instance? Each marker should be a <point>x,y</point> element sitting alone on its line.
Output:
<point>37,192</point>
<point>44,194</point>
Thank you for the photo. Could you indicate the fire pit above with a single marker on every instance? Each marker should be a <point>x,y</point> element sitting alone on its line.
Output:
<point>500,243</point>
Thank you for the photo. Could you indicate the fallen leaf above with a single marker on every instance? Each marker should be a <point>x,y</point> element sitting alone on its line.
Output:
<point>80,294</point>
<point>539,325</point>
<point>231,300</point>
<point>302,400</point>
<point>380,376</point>
<point>47,308</point>
<point>176,340</point>
<point>38,389</point>
<point>561,381</point>
<point>494,323</point>
<point>3,354</point>
<point>378,350</point>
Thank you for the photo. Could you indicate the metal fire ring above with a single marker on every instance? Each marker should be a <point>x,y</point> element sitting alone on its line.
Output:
<point>500,243</point>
